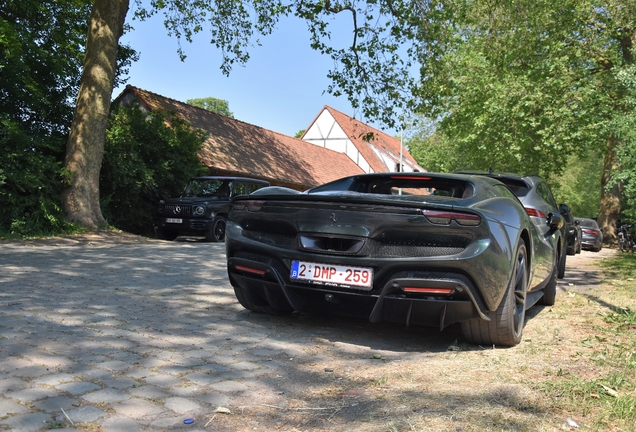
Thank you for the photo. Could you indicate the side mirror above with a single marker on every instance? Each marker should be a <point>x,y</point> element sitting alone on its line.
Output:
<point>555,221</point>
<point>564,208</point>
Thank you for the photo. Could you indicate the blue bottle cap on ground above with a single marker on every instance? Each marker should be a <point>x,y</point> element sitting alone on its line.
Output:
<point>189,421</point>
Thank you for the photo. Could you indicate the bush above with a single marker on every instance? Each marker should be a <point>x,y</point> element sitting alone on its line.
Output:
<point>30,182</point>
<point>147,156</point>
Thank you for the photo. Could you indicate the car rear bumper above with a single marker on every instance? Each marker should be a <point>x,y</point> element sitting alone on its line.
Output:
<point>472,282</point>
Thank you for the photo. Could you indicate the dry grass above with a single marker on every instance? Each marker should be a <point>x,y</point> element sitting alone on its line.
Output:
<point>574,369</point>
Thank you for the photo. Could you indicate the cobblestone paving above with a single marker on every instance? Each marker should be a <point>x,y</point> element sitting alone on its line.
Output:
<point>130,337</point>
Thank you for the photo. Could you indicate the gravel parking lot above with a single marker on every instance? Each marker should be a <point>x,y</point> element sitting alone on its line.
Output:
<point>129,334</point>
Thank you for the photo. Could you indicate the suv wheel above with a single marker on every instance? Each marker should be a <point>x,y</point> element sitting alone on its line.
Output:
<point>217,233</point>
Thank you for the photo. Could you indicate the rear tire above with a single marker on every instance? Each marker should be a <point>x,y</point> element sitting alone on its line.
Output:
<point>561,266</point>
<point>505,327</point>
<point>549,292</point>
<point>217,233</point>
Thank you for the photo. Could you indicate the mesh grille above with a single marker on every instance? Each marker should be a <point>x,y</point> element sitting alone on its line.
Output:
<point>396,251</point>
<point>178,210</point>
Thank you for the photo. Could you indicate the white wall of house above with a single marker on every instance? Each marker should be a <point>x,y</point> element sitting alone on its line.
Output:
<point>326,132</point>
<point>391,161</point>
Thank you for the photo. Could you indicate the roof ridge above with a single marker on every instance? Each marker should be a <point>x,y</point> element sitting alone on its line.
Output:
<point>204,110</point>
<point>208,112</point>
<point>329,108</point>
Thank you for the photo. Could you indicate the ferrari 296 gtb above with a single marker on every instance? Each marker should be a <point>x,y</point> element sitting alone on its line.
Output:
<point>413,248</point>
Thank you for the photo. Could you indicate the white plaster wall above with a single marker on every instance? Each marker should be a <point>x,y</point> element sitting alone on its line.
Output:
<point>326,132</point>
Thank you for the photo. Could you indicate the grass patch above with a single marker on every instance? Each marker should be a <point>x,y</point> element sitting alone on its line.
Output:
<point>609,399</point>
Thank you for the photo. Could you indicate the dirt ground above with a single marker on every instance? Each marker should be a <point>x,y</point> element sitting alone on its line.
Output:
<point>382,377</point>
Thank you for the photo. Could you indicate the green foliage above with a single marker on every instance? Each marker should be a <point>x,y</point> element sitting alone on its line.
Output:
<point>515,91</point>
<point>624,126</point>
<point>219,106</point>
<point>146,157</point>
<point>534,86</point>
<point>41,46</point>
<point>30,183</point>
<point>41,55</point>
<point>300,133</point>
<point>579,184</point>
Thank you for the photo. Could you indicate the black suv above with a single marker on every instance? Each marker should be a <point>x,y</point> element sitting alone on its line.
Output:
<point>202,208</point>
<point>573,230</point>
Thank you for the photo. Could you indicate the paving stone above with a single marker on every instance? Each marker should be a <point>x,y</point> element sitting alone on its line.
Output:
<point>175,369</point>
<point>181,405</point>
<point>55,379</point>
<point>97,374</point>
<point>163,380</point>
<point>13,363</point>
<point>120,424</point>
<point>148,392</point>
<point>137,408</point>
<point>54,404</point>
<point>7,384</point>
<point>201,378</point>
<point>31,371</point>
<point>50,361</point>
<point>229,386</point>
<point>186,390</point>
<point>27,422</point>
<point>108,395</point>
<point>7,406</point>
<point>152,362</point>
<point>214,399</point>
<point>114,365</point>
<point>212,367</point>
<point>245,366</point>
<point>120,383</point>
<point>85,414</point>
<point>234,375</point>
<point>167,422</point>
<point>78,388</point>
<point>31,394</point>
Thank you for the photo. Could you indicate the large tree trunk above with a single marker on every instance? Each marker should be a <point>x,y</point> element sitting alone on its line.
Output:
<point>85,147</point>
<point>610,209</point>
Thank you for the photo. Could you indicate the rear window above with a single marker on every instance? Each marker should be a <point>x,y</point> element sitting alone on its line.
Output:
<point>401,185</point>
<point>588,223</point>
<point>517,187</point>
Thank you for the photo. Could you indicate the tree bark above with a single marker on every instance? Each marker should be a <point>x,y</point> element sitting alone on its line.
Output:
<point>85,146</point>
<point>610,209</point>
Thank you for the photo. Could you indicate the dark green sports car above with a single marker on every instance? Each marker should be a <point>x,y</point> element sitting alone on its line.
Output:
<point>416,248</point>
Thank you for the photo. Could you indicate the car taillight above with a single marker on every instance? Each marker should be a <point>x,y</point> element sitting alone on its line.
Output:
<point>535,213</point>
<point>445,218</point>
<point>250,270</point>
<point>403,177</point>
<point>424,290</point>
<point>251,206</point>
<point>590,231</point>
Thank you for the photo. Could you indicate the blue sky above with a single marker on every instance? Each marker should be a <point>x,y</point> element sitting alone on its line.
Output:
<point>281,88</point>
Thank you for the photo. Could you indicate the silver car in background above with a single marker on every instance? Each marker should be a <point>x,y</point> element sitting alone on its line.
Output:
<point>592,238</point>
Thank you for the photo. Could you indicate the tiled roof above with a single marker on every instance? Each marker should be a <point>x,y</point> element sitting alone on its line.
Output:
<point>242,148</point>
<point>358,133</point>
